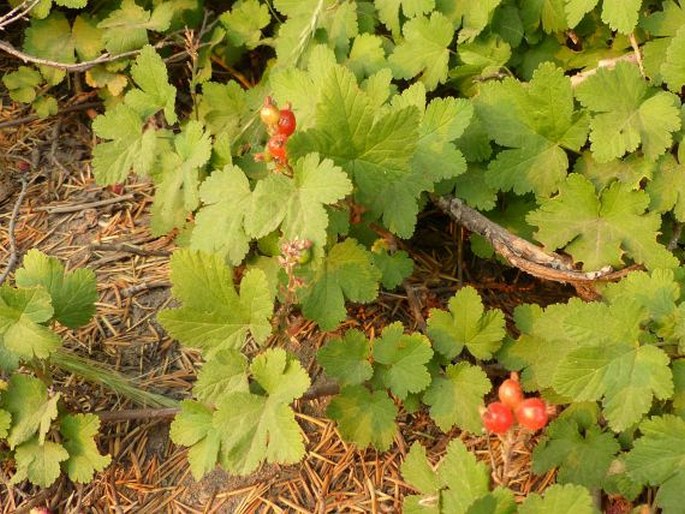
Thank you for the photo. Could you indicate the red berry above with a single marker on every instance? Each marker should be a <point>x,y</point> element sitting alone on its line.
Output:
<point>497,418</point>
<point>510,393</point>
<point>276,147</point>
<point>269,113</point>
<point>532,414</point>
<point>286,122</point>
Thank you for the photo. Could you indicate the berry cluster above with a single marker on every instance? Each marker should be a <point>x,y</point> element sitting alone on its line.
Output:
<point>530,413</point>
<point>280,124</point>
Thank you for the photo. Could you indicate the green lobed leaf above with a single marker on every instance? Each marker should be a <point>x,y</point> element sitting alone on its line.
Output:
<point>536,122</point>
<point>667,189</point>
<point>560,499</point>
<point>403,359</point>
<point>177,177</point>
<point>88,42</point>
<point>455,398</point>
<point>193,427</point>
<point>395,267</point>
<point>457,483</point>
<point>656,291</point>
<point>346,359</point>
<point>673,70</point>
<point>462,478</point>
<point>256,428</point>
<point>26,400</point>
<point>78,432</point>
<point>364,417</point>
<point>132,148</point>
<point>475,16</point>
<point>627,113</point>
<point>22,84</point>
<point>577,9</point>
<point>626,376</point>
<point>550,14</point>
<point>154,92</point>
<point>125,28</point>
<point>347,272</point>
<point>367,56</point>
<point>51,39</point>
<point>600,229</point>
<point>39,462</point>
<point>225,372</point>
<point>658,458</point>
<point>631,171</point>
<point>389,11</point>
<point>222,107</point>
<point>297,204</point>
<point>424,51</point>
<point>219,224</point>
<point>213,315</point>
<point>583,457</point>
<point>244,23</point>
<point>22,312</point>
<point>466,324</point>
<point>621,15</point>
<point>437,156</point>
<point>374,151</point>
<point>73,294</point>
<point>562,328</point>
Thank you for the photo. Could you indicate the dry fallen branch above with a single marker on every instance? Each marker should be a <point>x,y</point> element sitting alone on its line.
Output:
<point>65,209</point>
<point>520,253</point>
<point>328,388</point>
<point>17,13</point>
<point>81,66</point>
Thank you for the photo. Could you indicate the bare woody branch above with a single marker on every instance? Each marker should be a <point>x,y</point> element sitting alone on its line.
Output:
<point>520,253</point>
<point>81,66</point>
<point>17,13</point>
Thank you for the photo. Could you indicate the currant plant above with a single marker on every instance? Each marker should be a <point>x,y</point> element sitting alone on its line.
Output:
<point>35,429</point>
<point>560,120</point>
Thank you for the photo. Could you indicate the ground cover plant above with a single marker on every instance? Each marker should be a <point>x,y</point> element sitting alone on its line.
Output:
<point>292,153</point>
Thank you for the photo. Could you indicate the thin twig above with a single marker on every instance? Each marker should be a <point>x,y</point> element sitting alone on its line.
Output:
<point>414,305</point>
<point>27,119</point>
<point>137,414</point>
<point>17,13</point>
<point>12,225</point>
<point>81,66</point>
<point>129,248</point>
<point>83,206</point>
<point>144,286</point>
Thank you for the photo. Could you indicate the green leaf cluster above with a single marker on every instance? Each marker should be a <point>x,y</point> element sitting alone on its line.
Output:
<point>244,418</point>
<point>460,484</point>
<point>28,416</point>
<point>44,292</point>
<point>615,351</point>
<point>413,367</point>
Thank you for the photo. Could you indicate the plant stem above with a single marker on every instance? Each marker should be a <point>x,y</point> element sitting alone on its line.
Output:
<point>99,374</point>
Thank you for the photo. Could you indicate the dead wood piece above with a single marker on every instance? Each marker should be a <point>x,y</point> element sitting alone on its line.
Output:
<point>65,209</point>
<point>144,286</point>
<point>128,248</point>
<point>521,253</point>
